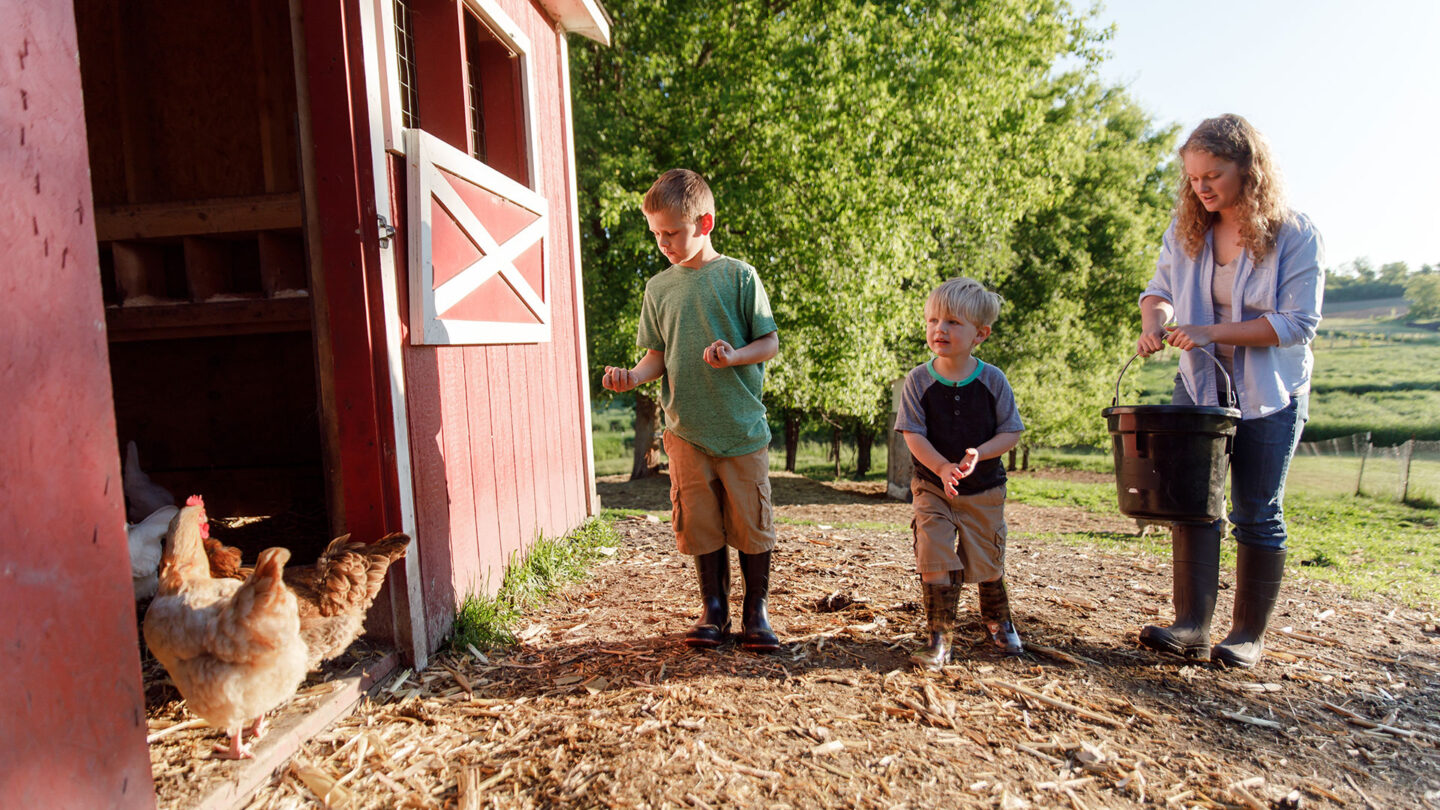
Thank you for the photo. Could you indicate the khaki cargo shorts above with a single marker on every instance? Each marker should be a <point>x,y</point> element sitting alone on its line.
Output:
<point>965,533</point>
<point>718,501</point>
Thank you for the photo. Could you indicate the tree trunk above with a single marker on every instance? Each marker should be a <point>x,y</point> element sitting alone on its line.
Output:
<point>792,439</point>
<point>646,456</point>
<point>1025,457</point>
<point>863,440</point>
<point>1011,464</point>
<point>835,448</point>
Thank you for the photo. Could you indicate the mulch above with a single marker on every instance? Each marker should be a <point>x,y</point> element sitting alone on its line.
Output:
<point>600,705</point>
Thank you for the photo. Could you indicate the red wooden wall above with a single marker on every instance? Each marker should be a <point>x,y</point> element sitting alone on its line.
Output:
<point>72,712</point>
<point>496,432</point>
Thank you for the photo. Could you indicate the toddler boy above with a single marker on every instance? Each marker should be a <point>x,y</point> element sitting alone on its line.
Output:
<point>707,329</point>
<point>958,417</point>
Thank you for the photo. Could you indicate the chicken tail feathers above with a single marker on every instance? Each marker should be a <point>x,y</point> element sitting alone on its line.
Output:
<point>263,611</point>
<point>349,574</point>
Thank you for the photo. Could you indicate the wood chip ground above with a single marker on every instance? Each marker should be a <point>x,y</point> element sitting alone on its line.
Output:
<point>600,705</point>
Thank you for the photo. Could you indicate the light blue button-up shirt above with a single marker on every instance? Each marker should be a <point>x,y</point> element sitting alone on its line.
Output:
<point>1286,289</point>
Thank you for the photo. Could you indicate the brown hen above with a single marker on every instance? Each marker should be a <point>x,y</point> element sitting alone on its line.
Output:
<point>337,591</point>
<point>232,648</point>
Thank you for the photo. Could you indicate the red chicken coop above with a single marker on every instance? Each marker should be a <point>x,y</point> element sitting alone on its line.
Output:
<point>319,261</point>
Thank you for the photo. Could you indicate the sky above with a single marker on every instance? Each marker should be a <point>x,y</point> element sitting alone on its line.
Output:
<point>1346,91</point>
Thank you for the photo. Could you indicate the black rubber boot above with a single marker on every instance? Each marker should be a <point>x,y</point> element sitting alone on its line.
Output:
<point>1196,562</point>
<point>713,571</point>
<point>995,613</point>
<point>754,615</point>
<point>1258,573</point>
<point>940,602</point>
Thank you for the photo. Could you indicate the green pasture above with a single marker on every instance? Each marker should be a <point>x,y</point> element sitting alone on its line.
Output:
<point>1389,389</point>
<point>1371,374</point>
<point>1371,546</point>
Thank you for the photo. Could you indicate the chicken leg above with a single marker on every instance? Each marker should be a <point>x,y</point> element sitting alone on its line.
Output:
<point>234,749</point>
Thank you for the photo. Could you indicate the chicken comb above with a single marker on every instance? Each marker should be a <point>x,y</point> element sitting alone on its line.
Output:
<point>194,500</point>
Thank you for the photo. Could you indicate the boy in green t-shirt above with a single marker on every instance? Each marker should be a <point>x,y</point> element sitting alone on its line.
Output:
<point>706,326</point>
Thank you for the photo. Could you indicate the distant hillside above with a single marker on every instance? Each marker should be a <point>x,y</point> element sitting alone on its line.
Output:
<point>1341,288</point>
<point>1368,308</point>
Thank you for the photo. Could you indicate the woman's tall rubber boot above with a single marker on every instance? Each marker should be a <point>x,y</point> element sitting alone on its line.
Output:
<point>1258,573</point>
<point>713,571</point>
<point>754,614</point>
<point>1196,567</point>
<point>995,614</point>
<point>940,602</point>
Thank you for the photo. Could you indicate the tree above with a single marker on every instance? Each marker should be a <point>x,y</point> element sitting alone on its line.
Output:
<point>1080,261</point>
<point>1394,272</point>
<point>859,151</point>
<point>1422,293</point>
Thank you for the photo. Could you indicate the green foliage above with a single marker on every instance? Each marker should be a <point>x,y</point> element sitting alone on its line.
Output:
<point>1422,293</point>
<point>1081,261</point>
<point>860,153</point>
<point>484,621</point>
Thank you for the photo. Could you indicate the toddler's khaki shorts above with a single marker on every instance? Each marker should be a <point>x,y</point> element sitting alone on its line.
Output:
<point>965,533</point>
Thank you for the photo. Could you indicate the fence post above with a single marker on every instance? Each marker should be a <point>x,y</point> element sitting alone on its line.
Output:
<point>1365,453</point>
<point>1408,450</point>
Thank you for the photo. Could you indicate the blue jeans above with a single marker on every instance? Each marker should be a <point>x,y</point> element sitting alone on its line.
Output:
<point>1259,462</point>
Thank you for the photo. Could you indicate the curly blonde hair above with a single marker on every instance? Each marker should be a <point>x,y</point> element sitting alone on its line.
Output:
<point>1261,206</point>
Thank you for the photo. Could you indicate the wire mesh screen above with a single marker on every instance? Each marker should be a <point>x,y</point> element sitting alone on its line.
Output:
<point>405,66</point>
<point>1407,472</point>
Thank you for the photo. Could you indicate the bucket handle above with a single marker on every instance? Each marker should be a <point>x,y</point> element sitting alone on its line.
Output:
<point>1229,386</point>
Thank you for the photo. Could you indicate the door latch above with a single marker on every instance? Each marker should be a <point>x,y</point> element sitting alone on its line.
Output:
<point>387,232</point>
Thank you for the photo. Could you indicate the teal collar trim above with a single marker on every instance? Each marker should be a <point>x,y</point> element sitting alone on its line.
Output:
<point>930,367</point>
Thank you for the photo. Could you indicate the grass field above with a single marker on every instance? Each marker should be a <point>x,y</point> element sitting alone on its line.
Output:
<point>1372,373</point>
<point>1391,390</point>
<point>1368,545</point>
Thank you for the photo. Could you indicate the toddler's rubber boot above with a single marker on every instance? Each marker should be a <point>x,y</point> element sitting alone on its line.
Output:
<point>713,626</point>
<point>940,602</point>
<point>754,614</point>
<point>1258,573</point>
<point>995,613</point>
<point>1195,567</point>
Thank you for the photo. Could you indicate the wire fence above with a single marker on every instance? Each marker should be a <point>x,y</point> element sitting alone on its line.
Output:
<point>1408,472</point>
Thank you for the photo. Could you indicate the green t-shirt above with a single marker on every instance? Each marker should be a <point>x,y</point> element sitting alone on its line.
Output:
<point>684,311</point>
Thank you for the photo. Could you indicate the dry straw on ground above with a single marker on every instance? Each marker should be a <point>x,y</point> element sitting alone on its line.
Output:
<point>601,706</point>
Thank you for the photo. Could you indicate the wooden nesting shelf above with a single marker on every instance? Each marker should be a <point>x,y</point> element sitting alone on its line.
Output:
<point>260,316</point>
<point>198,217</point>
<point>204,267</point>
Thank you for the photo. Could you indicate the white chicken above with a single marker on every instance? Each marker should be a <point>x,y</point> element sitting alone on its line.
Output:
<point>147,543</point>
<point>142,495</point>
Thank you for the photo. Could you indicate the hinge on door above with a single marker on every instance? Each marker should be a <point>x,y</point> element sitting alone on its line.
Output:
<point>387,231</point>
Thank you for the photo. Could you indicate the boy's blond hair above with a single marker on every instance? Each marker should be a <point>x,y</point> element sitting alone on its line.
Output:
<point>680,192</point>
<point>966,298</point>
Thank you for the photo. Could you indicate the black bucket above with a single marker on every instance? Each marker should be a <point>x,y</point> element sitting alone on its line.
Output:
<point>1171,460</point>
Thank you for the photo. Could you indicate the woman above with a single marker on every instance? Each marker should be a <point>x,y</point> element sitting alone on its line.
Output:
<point>1238,276</point>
